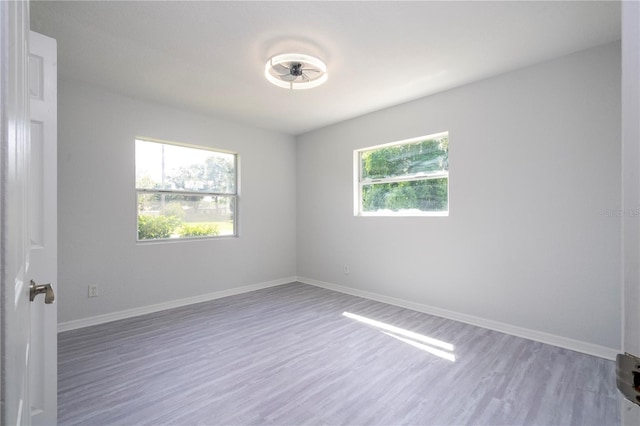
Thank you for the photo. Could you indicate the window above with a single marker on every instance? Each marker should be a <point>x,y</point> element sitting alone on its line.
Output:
<point>406,178</point>
<point>185,192</point>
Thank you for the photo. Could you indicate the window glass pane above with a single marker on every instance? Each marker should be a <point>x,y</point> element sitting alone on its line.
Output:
<point>163,215</point>
<point>412,159</point>
<point>164,166</point>
<point>419,195</point>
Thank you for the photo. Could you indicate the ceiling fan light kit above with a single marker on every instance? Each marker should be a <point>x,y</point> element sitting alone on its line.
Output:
<point>295,71</point>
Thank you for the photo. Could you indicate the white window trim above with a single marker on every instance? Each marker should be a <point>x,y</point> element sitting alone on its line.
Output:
<point>360,182</point>
<point>235,196</point>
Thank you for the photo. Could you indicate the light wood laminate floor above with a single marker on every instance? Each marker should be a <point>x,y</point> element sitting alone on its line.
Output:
<point>288,355</point>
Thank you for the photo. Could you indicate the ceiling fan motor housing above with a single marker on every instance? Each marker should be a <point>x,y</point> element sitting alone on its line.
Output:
<point>296,68</point>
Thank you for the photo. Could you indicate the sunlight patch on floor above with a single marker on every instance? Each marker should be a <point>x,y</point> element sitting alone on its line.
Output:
<point>428,344</point>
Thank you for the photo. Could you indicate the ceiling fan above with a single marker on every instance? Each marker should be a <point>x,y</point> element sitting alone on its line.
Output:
<point>295,71</point>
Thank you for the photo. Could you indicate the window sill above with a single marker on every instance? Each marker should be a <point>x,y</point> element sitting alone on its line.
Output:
<point>403,214</point>
<point>185,239</point>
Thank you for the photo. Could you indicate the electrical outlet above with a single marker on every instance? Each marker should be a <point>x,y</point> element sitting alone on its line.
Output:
<point>345,269</point>
<point>93,290</point>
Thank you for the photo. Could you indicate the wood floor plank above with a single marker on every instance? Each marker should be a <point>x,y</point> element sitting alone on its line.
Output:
<point>288,355</point>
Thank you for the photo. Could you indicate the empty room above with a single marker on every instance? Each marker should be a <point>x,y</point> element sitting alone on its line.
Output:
<point>325,213</point>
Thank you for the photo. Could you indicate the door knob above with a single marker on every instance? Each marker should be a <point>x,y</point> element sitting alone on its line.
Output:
<point>35,290</point>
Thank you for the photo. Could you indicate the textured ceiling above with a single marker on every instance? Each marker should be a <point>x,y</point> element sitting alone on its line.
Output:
<point>209,56</point>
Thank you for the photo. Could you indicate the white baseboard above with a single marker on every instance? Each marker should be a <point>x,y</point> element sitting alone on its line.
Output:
<point>539,336</point>
<point>551,339</point>
<point>128,313</point>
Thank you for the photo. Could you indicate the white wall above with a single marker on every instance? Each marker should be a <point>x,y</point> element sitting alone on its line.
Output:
<point>631,189</point>
<point>631,172</point>
<point>534,173</point>
<point>97,207</point>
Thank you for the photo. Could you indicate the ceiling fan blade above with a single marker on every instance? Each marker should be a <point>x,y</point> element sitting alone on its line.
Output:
<point>310,69</point>
<point>281,69</point>
<point>305,77</point>
<point>288,77</point>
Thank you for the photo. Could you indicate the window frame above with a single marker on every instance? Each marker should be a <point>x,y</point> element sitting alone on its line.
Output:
<point>360,182</point>
<point>234,197</point>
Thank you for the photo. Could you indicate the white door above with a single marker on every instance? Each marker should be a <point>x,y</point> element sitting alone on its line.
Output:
<point>43,219</point>
<point>27,225</point>
<point>15,408</point>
